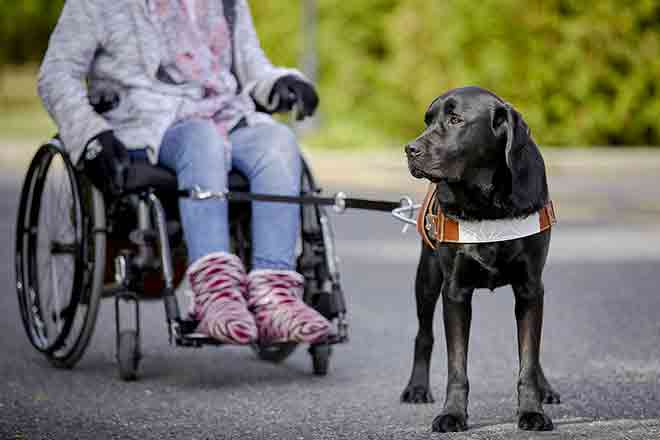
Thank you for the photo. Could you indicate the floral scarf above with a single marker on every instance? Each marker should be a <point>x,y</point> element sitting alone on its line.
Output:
<point>200,51</point>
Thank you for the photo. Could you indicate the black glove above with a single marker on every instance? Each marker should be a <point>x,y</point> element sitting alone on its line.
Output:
<point>291,90</point>
<point>106,163</point>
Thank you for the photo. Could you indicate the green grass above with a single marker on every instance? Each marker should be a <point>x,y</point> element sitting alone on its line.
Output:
<point>348,134</point>
<point>21,113</point>
<point>26,124</point>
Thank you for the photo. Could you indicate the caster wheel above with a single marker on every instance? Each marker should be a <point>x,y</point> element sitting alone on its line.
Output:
<point>128,355</point>
<point>320,358</point>
<point>275,353</point>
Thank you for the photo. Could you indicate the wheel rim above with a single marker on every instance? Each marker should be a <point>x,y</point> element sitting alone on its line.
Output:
<point>49,251</point>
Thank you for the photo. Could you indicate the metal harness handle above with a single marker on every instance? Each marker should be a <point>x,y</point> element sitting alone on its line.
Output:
<point>403,210</point>
<point>340,202</point>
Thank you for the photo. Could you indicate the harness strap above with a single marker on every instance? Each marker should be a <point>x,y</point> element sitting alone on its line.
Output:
<point>436,228</point>
<point>424,225</point>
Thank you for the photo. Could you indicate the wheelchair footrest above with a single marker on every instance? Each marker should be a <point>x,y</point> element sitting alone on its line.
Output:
<point>187,337</point>
<point>196,340</point>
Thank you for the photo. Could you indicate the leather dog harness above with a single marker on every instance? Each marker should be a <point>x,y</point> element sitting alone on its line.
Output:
<point>436,228</point>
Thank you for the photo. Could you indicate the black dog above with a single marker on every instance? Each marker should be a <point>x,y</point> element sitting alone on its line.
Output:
<point>479,152</point>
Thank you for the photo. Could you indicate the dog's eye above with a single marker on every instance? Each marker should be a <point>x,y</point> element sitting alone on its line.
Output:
<point>429,117</point>
<point>455,120</point>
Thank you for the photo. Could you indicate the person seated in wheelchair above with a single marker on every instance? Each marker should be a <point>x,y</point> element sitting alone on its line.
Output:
<point>186,85</point>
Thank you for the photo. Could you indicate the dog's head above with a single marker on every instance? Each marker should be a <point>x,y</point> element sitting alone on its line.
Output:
<point>477,146</point>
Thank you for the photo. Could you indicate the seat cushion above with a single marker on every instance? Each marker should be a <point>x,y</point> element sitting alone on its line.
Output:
<point>142,176</point>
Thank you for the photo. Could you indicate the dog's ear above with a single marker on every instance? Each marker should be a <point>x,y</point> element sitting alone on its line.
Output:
<point>529,187</point>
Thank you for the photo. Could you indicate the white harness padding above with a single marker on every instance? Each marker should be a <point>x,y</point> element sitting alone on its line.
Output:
<point>489,231</point>
<point>435,227</point>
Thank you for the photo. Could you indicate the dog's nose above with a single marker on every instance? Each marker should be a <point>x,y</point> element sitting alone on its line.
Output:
<point>413,150</point>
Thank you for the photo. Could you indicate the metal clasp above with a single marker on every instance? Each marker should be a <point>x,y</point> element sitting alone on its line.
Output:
<point>121,270</point>
<point>197,193</point>
<point>340,202</point>
<point>406,213</point>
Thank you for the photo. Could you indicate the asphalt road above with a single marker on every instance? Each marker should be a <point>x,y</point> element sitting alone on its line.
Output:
<point>600,351</point>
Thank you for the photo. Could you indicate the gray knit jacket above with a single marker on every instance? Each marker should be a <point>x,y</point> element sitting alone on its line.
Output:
<point>103,48</point>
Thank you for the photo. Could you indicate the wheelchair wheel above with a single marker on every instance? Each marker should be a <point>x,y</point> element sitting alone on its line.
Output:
<point>128,355</point>
<point>320,358</point>
<point>60,256</point>
<point>275,353</point>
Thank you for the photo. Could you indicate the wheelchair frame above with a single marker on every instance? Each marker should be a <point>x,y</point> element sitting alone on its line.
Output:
<point>150,250</point>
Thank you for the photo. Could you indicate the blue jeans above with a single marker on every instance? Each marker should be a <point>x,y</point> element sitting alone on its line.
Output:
<point>268,154</point>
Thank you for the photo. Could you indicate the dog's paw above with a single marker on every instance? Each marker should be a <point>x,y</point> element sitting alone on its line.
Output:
<point>535,421</point>
<point>450,423</point>
<point>550,397</point>
<point>417,394</point>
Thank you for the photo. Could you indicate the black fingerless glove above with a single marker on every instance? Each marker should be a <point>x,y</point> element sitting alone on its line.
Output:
<point>106,163</point>
<point>290,90</point>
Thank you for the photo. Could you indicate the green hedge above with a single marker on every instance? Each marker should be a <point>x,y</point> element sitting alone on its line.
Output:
<point>24,28</point>
<point>582,73</point>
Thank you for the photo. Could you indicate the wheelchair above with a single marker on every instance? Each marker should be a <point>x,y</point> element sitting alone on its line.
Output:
<point>73,249</point>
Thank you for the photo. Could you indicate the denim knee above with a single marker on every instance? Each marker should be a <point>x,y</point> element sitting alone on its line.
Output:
<point>283,153</point>
<point>197,153</point>
<point>283,141</point>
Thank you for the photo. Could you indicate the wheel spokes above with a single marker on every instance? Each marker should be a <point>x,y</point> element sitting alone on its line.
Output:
<point>57,249</point>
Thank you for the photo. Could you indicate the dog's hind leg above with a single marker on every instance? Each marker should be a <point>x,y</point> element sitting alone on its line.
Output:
<point>427,290</point>
<point>457,314</point>
<point>529,317</point>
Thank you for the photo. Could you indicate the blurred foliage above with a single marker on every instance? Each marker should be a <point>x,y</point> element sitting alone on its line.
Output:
<point>582,73</point>
<point>24,28</point>
<point>21,114</point>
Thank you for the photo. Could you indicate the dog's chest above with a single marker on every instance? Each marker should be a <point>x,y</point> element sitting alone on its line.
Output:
<point>480,266</point>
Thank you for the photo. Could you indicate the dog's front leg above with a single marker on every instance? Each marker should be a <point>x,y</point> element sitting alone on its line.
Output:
<point>548,394</point>
<point>529,318</point>
<point>457,316</point>
<point>427,290</point>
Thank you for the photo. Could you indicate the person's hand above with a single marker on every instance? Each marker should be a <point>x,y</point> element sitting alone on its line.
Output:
<point>290,90</point>
<point>106,163</point>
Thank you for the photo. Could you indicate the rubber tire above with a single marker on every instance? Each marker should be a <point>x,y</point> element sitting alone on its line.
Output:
<point>275,353</point>
<point>320,358</point>
<point>128,355</point>
<point>57,355</point>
